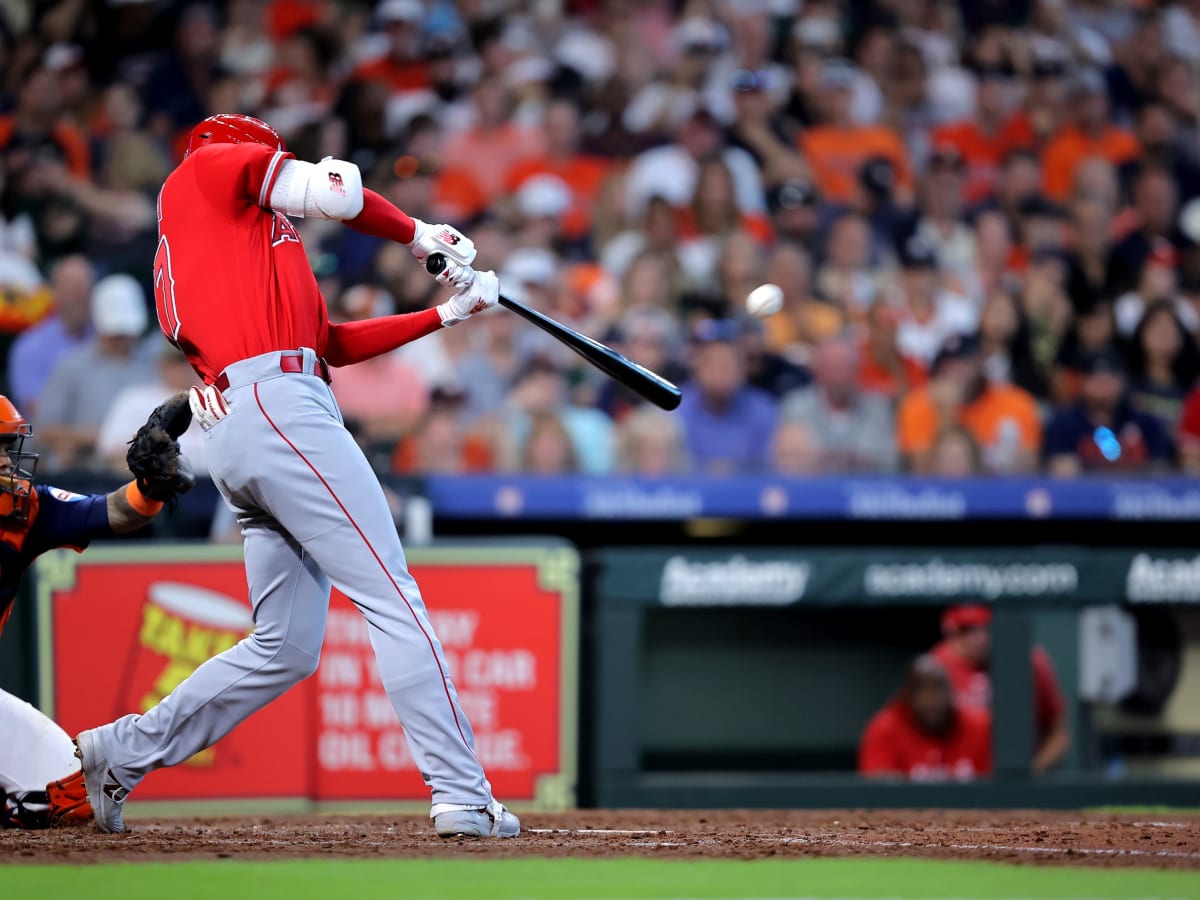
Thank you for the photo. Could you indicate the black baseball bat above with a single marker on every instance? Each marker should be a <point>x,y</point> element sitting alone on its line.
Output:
<point>637,378</point>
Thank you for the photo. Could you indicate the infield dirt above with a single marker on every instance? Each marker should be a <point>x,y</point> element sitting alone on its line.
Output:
<point>1165,840</point>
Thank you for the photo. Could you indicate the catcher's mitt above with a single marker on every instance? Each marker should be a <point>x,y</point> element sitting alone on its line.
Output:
<point>63,802</point>
<point>162,472</point>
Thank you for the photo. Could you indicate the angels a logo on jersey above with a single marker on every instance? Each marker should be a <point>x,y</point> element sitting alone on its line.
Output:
<point>282,231</point>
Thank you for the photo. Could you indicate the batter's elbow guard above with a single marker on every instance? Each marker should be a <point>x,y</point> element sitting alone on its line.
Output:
<point>337,189</point>
<point>330,189</point>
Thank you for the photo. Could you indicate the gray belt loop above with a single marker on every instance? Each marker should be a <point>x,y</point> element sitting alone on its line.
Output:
<point>310,360</point>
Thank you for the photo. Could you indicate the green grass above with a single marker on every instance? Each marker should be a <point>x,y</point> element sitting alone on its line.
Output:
<point>543,879</point>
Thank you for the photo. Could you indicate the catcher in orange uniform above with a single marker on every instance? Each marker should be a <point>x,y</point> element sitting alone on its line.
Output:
<point>40,779</point>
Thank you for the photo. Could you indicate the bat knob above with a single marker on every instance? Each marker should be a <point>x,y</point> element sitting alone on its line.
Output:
<point>435,263</point>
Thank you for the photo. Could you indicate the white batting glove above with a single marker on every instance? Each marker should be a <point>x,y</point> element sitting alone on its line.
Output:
<point>481,293</point>
<point>444,239</point>
<point>455,276</point>
<point>208,405</point>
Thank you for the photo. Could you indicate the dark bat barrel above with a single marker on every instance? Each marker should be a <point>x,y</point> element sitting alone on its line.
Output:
<point>637,378</point>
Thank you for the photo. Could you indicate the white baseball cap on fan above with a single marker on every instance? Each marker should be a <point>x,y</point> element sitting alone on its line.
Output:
<point>119,306</point>
<point>529,265</point>
<point>541,196</point>
<point>410,11</point>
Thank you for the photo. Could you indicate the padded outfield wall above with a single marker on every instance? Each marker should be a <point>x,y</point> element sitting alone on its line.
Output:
<point>724,654</point>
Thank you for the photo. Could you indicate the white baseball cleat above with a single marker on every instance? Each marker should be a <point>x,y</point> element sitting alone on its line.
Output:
<point>492,820</point>
<point>103,791</point>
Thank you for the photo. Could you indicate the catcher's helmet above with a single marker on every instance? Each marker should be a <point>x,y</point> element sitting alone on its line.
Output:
<point>229,128</point>
<point>16,478</point>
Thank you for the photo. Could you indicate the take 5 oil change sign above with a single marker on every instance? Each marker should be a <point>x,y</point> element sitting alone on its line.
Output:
<point>506,618</point>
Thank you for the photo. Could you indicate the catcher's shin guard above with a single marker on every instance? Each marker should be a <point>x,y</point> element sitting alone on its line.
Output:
<point>25,809</point>
<point>63,802</point>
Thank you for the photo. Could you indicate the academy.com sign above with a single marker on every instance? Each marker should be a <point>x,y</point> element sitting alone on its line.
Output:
<point>1071,576</point>
<point>1158,580</point>
<point>736,581</point>
<point>939,578</point>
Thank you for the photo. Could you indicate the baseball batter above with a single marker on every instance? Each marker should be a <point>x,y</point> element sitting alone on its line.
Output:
<point>40,781</point>
<point>235,292</point>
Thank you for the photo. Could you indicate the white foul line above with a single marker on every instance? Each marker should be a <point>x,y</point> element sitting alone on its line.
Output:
<point>1085,851</point>
<point>595,831</point>
<point>902,845</point>
<point>867,845</point>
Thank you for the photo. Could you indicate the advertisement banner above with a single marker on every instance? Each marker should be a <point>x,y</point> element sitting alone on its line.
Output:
<point>846,497</point>
<point>120,628</point>
<point>124,634</point>
<point>501,632</point>
<point>787,576</point>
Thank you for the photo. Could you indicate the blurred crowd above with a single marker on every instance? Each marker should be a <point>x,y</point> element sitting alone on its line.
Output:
<point>984,216</point>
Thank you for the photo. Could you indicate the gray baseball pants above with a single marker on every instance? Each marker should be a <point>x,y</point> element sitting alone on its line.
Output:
<point>313,514</point>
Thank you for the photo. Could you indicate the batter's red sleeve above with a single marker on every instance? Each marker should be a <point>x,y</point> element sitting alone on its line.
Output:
<point>351,342</point>
<point>233,177</point>
<point>383,220</point>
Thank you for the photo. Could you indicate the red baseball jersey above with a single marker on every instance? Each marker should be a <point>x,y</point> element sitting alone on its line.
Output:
<point>231,278</point>
<point>973,687</point>
<point>893,745</point>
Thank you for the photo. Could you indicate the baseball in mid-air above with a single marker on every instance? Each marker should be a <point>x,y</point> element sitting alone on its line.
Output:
<point>765,300</point>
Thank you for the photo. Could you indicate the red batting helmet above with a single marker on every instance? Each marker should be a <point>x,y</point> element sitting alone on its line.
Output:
<point>229,128</point>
